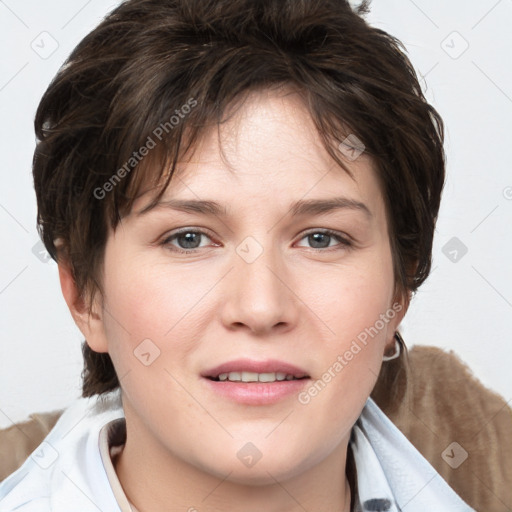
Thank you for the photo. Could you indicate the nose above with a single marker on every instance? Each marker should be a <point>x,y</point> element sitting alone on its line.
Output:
<point>259,295</point>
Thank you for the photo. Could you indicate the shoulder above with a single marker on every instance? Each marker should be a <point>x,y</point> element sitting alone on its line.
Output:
<point>411,478</point>
<point>458,425</point>
<point>66,466</point>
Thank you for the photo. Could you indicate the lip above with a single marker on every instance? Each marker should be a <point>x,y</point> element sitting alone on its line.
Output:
<point>256,393</point>
<point>250,365</point>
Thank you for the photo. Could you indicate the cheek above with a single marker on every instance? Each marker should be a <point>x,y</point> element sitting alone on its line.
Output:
<point>133,307</point>
<point>153,303</point>
<point>353,299</point>
<point>153,326</point>
<point>357,315</point>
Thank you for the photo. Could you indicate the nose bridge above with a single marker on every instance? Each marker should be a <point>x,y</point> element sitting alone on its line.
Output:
<point>258,296</point>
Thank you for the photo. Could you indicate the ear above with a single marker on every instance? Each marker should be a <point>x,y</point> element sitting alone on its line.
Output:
<point>400,306</point>
<point>90,322</point>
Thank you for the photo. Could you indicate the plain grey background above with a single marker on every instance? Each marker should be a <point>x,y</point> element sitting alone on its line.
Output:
<point>461,52</point>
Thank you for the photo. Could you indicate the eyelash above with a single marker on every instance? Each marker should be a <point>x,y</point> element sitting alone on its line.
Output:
<point>343,241</point>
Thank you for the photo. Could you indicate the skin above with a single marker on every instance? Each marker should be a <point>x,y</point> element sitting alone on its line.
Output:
<point>297,302</point>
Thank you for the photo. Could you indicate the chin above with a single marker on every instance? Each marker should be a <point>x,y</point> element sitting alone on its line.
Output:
<point>253,466</point>
<point>263,474</point>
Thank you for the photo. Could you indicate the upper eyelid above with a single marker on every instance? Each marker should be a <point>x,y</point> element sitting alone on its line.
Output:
<point>327,231</point>
<point>187,230</point>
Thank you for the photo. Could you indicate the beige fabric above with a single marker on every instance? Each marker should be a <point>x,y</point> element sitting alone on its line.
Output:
<point>443,403</point>
<point>438,402</point>
<point>20,440</point>
<point>111,444</point>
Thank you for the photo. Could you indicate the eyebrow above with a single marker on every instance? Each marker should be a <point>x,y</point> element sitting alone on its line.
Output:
<point>300,208</point>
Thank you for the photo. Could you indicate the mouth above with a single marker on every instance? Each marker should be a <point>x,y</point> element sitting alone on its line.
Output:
<point>253,382</point>
<point>249,370</point>
<point>246,376</point>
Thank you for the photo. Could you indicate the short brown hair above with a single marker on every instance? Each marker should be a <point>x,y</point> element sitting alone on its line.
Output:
<point>148,59</point>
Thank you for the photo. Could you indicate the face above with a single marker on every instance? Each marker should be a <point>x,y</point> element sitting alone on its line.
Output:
<point>270,283</point>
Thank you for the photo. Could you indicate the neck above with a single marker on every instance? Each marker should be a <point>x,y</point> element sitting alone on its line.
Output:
<point>155,480</point>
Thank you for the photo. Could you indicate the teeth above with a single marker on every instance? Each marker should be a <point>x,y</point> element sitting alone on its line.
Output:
<point>266,377</point>
<point>248,377</point>
<point>255,377</point>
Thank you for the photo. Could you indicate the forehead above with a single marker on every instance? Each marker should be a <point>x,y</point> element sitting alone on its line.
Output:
<point>268,147</point>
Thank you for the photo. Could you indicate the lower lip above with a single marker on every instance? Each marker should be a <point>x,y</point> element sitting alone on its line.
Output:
<point>257,393</point>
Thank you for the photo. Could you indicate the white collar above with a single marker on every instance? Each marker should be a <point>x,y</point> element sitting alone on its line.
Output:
<point>392,476</point>
<point>68,466</point>
<point>390,468</point>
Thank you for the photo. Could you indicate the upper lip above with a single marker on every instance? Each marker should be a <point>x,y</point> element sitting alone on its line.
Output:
<point>250,365</point>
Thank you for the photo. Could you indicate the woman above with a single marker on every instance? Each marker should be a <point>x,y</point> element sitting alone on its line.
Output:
<point>241,197</point>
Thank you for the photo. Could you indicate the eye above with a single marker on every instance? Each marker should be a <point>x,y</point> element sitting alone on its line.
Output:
<point>188,240</point>
<point>321,239</point>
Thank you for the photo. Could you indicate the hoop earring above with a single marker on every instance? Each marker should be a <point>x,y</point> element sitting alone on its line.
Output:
<point>398,348</point>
